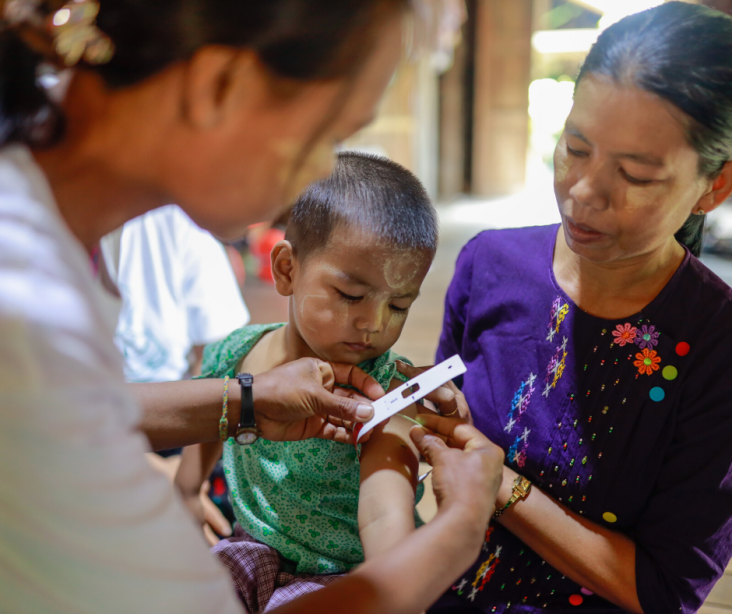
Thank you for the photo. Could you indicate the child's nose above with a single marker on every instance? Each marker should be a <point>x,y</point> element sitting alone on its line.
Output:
<point>372,320</point>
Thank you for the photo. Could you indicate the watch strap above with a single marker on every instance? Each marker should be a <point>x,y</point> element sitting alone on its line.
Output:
<point>246,416</point>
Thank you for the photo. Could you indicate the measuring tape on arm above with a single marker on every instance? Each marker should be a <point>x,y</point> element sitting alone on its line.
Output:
<point>422,385</point>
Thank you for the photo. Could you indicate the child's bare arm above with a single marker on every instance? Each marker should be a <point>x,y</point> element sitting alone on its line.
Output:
<point>389,471</point>
<point>196,464</point>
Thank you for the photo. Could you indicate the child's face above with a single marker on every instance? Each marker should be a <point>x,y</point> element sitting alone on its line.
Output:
<point>349,302</point>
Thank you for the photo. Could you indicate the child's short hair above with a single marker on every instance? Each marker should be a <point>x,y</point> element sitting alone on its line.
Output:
<point>364,193</point>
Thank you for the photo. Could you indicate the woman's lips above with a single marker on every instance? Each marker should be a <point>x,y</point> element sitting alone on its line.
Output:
<point>581,233</point>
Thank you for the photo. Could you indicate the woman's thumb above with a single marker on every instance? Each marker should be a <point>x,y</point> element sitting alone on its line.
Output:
<point>429,445</point>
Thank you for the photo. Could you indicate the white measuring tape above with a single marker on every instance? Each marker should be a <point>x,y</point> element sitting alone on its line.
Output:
<point>426,382</point>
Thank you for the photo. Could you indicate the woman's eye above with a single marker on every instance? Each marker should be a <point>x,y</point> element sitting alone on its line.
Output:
<point>575,152</point>
<point>635,180</point>
<point>399,309</point>
<point>348,297</point>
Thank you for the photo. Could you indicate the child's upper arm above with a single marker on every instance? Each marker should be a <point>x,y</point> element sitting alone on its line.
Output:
<point>390,446</point>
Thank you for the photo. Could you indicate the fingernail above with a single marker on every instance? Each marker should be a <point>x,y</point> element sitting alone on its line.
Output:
<point>417,433</point>
<point>364,412</point>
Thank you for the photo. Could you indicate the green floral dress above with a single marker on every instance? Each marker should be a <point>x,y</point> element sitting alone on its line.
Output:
<point>300,498</point>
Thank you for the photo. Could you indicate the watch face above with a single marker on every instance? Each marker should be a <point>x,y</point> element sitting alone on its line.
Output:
<point>246,437</point>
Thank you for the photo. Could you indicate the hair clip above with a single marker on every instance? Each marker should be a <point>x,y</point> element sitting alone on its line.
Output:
<point>72,29</point>
<point>76,36</point>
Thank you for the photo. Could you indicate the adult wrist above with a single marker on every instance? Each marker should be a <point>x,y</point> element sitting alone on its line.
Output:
<point>506,489</point>
<point>262,394</point>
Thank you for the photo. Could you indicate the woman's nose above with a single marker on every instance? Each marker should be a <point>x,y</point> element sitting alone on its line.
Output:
<point>589,190</point>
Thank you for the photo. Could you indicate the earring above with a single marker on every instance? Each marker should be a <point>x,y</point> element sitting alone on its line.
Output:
<point>701,212</point>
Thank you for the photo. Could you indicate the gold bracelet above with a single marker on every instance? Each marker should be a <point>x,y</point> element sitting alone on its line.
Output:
<point>224,420</point>
<point>521,490</point>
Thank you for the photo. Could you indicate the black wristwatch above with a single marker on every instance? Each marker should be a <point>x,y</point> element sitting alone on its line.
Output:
<point>247,432</point>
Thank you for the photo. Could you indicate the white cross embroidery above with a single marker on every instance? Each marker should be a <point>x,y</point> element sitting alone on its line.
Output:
<point>547,390</point>
<point>509,425</point>
<point>550,336</point>
<point>525,436</point>
<point>531,380</point>
<point>461,586</point>
<point>498,551</point>
<point>473,593</point>
<point>564,344</point>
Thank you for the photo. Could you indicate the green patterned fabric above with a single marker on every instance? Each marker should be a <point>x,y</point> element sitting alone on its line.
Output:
<point>300,498</point>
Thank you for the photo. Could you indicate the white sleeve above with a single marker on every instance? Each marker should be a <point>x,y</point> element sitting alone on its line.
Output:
<point>212,295</point>
<point>86,525</point>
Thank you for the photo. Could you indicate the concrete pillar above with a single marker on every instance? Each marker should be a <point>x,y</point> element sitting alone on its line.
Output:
<point>502,73</point>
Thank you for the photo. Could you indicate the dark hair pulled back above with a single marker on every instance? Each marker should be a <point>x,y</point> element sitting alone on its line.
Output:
<point>295,39</point>
<point>682,53</point>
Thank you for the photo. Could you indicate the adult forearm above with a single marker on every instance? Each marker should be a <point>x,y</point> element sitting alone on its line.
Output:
<point>176,414</point>
<point>598,559</point>
<point>408,578</point>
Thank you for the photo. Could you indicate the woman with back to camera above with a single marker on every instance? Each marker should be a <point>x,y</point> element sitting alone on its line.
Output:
<point>226,108</point>
<point>600,359</point>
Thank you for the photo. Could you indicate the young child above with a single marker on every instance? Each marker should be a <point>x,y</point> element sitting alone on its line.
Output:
<point>356,251</point>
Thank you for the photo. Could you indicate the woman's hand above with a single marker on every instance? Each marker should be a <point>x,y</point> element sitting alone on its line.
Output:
<point>300,400</point>
<point>448,398</point>
<point>467,466</point>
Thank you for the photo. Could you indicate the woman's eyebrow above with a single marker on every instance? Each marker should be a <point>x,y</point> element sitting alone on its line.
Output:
<point>641,158</point>
<point>575,132</point>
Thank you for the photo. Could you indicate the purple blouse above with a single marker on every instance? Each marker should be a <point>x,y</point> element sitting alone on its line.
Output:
<point>626,422</point>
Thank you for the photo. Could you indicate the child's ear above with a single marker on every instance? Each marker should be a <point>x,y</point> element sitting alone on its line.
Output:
<point>284,267</point>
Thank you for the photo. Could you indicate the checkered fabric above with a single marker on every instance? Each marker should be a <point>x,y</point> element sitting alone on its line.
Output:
<point>260,574</point>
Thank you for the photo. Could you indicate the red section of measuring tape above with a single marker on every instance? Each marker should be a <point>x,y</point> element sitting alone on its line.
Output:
<point>356,431</point>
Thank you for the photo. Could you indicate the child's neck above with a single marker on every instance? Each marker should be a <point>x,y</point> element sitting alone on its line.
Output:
<point>276,348</point>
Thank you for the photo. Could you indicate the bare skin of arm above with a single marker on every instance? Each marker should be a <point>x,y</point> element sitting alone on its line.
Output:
<point>196,464</point>
<point>389,471</point>
<point>410,577</point>
<point>291,403</point>
<point>197,351</point>
<point>598,559</point>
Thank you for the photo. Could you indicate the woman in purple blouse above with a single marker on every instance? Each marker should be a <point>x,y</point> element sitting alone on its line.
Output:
<point>599,352</point>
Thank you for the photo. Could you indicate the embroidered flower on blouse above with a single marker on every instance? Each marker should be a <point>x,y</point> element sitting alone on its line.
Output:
<point>625,333</point>
<point>647,337</point>
<point>647,361</point>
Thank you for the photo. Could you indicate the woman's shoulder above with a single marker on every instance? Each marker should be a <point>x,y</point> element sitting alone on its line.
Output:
<point>508,260</point>
<point>510,247</point>
<point>698,299</point>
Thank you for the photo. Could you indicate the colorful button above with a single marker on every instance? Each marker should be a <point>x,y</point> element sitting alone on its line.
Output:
<point>586,591</point>
<point>609,517</point>
<point>657,394</point>
<point>670,373</point>
<point>576,600</point>
<point>683,348</point>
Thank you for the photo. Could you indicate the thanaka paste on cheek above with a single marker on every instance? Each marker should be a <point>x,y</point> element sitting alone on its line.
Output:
<point>562,165</point>
<point>318,311</point>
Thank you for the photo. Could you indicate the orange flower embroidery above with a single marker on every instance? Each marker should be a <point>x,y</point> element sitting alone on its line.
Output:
<point>647,361</point>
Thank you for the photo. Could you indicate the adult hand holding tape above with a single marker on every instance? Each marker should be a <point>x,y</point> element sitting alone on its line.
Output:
<point>410,392</point>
